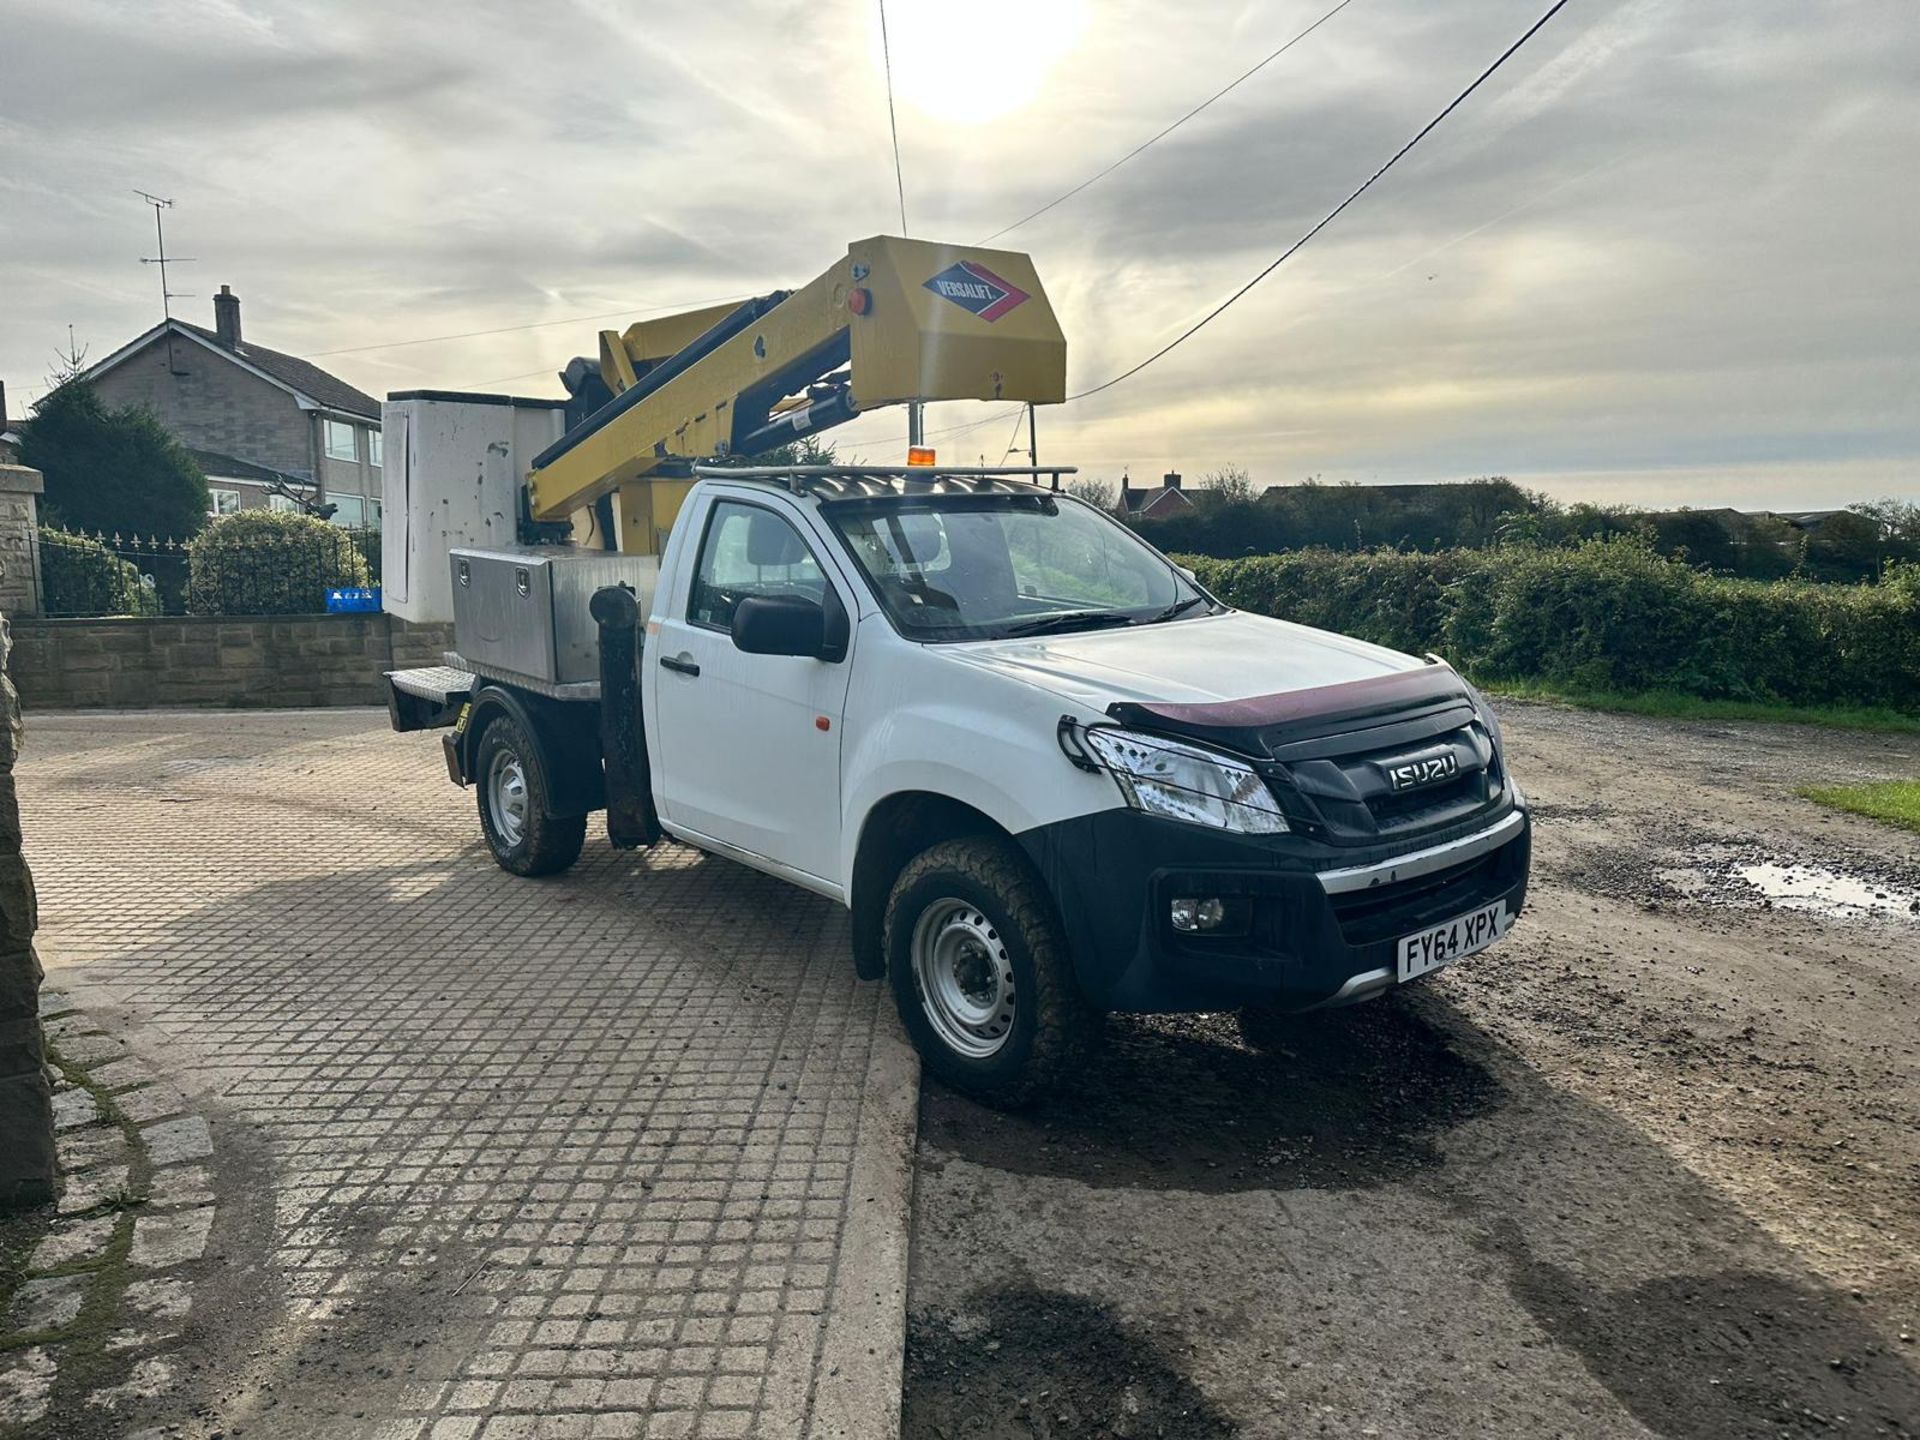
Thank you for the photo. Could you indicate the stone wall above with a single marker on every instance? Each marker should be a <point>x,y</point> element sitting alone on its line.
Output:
<point>295,660</point>
<point>19,547</point>
<point>26,1099</point>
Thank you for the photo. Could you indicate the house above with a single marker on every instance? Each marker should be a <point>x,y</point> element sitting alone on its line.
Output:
<point>1162,504</point>
<point>267,428</point>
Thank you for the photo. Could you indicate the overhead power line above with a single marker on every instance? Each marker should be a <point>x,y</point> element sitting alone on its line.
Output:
<point>886,60</point>
<point>1331,215</point>
<point>1162,134</point>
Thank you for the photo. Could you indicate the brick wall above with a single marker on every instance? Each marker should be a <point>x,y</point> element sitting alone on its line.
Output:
<point>217,660</point>
<point>214,405</point>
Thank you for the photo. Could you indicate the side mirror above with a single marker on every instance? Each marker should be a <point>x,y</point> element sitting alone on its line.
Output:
<point>1188,573</point>
<point>780,625</point>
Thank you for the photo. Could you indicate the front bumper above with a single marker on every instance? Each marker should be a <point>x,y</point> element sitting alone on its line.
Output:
<point>1311,924</point>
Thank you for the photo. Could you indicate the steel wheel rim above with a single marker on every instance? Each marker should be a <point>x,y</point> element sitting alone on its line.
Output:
<point>507,796</point>
<point>965,978</point>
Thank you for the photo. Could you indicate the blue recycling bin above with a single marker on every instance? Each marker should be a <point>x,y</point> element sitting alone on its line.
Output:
<point>352,599</point>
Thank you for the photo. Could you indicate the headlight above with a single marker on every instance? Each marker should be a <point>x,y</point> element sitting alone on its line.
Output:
<point>1180,782</point>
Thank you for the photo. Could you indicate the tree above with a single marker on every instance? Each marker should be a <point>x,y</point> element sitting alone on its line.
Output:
<point>1899,524</point>
<point>807,450</point>
<point>1229,485</point>
<point>1096,492</point>
<point>1846,546</point>
<point>112,470</point>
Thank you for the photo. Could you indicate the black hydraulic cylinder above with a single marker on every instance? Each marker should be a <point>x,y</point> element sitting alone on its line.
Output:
<point>822,414</point>
<point>631,820</point>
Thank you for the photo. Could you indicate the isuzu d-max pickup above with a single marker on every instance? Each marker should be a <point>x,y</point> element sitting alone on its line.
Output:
<point>1050,775</point>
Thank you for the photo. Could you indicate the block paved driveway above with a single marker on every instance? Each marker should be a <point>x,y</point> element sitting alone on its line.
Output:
<point>623,1152</point>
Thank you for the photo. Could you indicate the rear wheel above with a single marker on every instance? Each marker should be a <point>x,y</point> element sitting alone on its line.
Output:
<point>513,795</point>
<point>982,975</point>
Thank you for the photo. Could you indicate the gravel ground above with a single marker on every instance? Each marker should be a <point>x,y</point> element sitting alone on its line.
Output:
<point>1648,1167</point>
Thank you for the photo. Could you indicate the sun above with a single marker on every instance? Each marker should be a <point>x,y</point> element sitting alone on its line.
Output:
<point>965,64</point>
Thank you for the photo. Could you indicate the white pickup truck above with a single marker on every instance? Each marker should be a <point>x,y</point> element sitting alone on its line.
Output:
<point>1048,773</point>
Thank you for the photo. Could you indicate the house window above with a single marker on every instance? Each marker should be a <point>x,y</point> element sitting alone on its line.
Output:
<point>281,505</point>
<point>373,447</point>
<point>340,442</point>
<point>223,502</point>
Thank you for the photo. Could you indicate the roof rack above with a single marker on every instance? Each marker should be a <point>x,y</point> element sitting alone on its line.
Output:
<point>883,479</point>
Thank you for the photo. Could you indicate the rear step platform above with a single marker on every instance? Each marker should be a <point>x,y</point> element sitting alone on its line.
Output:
<point>428,698</point>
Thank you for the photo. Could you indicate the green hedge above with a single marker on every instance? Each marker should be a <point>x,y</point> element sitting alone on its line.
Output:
<point>1605,615</point>
<point>80,576</point>
<point>264,562</point>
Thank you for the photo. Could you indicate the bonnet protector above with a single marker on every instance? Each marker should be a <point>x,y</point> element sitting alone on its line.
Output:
<point>1251,725</point>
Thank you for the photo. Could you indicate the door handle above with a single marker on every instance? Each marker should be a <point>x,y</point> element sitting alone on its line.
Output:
<point>679,664</point>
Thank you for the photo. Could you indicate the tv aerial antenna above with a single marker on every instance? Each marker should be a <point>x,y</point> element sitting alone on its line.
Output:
<point>161,204</point>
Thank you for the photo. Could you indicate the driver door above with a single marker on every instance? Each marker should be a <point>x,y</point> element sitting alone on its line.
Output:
<point>750,744</point>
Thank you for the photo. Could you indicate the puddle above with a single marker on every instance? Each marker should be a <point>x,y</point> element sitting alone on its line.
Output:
<point>1722,879</point>
<point>1827,892</point>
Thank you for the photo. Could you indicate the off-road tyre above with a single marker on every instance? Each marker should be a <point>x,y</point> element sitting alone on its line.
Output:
<point>1269,1029</point>
<point>546,843</point>
<point>1054,1029</point>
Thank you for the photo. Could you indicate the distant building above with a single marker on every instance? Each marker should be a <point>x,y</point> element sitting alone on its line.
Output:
<point>1806,521</point>
<point>263,426</point>
<point>1154,504</point>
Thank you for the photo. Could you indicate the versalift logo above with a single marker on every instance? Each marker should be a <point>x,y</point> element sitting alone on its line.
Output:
<point>971,286</point>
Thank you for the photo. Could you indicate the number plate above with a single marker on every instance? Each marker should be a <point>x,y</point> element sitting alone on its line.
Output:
<point>1427,951</point>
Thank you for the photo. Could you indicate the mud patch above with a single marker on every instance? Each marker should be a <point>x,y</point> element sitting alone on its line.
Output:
<point>1032,1365</point>
<point>1177,1102</point>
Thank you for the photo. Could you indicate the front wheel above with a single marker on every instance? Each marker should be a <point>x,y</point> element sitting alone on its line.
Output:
<point>525,838</point>
<point>982,974</point>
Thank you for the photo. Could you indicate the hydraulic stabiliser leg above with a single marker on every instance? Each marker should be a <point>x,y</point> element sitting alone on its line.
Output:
<point>631,820</point>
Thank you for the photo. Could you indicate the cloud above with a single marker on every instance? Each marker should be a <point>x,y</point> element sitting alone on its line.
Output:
<point>1672,240</point>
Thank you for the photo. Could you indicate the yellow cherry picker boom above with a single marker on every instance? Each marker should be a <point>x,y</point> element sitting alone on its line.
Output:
<point>522,522</point>
<point>895,322</point>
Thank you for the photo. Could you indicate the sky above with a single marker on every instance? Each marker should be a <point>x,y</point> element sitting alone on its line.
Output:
<point>1666,256</point>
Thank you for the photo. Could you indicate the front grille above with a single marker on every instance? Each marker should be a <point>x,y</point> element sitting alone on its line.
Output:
<point>1342,787</point>
<point>1389,911</point>
<point>1413,807</point>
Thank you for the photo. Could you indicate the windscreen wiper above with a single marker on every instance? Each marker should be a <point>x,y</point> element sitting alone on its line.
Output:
<point>1179,607</point>
<point>1069,620</point>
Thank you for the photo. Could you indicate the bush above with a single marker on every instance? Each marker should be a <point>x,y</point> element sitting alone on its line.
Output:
<point>262,562</point>
<point>1606,615</point>
<point>80,576</point>
<point>1230,521</point>
<point>1386,596</point>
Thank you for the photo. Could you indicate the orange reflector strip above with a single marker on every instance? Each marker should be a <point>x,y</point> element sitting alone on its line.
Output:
<point>920,455</point>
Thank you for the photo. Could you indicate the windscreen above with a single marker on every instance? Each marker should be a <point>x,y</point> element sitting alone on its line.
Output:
<point>971,567</point>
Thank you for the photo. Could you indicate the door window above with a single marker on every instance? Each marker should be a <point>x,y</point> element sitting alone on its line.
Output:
<point>749,550</point>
